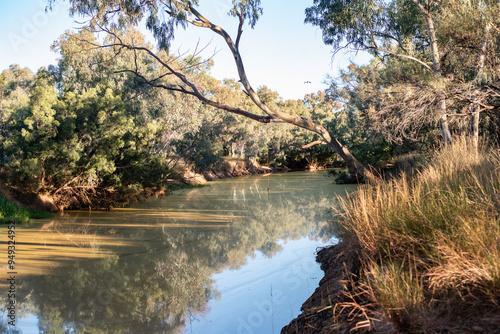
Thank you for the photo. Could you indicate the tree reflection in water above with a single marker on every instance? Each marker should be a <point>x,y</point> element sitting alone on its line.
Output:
<point>165,277</point>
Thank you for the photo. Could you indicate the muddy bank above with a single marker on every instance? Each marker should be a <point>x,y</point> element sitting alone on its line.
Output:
<point>338,262</point>
<point>231,168</point>
<point>322,313</point>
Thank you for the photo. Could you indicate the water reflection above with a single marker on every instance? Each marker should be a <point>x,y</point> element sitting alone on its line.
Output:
<point>151,268</point>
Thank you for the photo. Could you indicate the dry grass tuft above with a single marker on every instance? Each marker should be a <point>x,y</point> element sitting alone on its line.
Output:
<point>430,243</point>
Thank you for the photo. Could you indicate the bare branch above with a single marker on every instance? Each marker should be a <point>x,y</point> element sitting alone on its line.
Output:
<point>317,142</point>
<point>240,31</point>
<point>292,119</point>
<point>181,89</point>
<point>404,56</point>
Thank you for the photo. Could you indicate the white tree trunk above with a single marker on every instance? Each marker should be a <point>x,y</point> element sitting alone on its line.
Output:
<point>473,132</point>
<point>443,116</point>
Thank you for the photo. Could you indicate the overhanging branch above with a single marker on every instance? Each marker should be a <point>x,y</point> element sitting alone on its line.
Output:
<point>403,56</point>
<point>187,87</point>
<point>314,143</point>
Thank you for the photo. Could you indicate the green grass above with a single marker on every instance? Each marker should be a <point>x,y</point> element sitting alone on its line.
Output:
<point>430,243</point>
<point>12,212</point>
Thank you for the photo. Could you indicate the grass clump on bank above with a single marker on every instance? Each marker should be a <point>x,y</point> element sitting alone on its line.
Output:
<point>429,246</point>
<point>12,212</point>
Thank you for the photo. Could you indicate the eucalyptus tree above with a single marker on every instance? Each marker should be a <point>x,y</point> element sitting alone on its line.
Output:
<point>470,30</point>
<point>475,107</point>
<point>15,84</point>
<point>162,18</point>
<point>432,55</point>
<point>81,142</point>
<point>80,68</point>
<point>398,28</point>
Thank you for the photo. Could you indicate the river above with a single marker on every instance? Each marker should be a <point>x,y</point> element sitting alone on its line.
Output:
<point>236,256</point>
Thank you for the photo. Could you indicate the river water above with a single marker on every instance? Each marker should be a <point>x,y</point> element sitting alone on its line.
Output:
<point>236,256</point>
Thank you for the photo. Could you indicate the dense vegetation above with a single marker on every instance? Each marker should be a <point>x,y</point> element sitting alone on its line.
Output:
<point>116,115</point>
<point>11,212</point>
<point>88,134</point>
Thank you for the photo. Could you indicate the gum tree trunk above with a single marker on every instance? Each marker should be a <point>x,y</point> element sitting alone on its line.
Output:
<point>443,116</point>
<point>473,132</point>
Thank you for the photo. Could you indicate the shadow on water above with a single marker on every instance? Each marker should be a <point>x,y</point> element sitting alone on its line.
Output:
<point>150,268</point>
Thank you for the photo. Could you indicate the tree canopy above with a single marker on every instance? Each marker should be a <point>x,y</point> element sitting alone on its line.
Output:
<point>117,114</point>
<point>90,133</point>
<point>432,57</point>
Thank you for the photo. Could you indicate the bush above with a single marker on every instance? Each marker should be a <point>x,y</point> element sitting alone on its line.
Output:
<point>12,212</point>
<point>83,148</point>
<point>203,154</point>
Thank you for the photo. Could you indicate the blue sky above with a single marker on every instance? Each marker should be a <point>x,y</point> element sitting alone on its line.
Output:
<point>281,52</point>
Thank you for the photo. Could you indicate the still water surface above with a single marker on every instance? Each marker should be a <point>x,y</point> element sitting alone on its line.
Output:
<point>232,257</point>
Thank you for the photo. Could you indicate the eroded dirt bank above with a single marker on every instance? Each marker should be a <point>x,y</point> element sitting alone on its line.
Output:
<point>341,265</point>
<point>231,168</point>
<point>337,262</point>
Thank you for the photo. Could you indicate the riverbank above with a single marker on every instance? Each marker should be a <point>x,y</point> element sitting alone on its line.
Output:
<point>231,167</point>
<point>11,212</point>
<point>418,254</point>
<point>339,263</point>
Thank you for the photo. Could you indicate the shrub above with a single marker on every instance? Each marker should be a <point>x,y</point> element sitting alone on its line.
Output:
<point>13,212</point>
<point>83,148</point>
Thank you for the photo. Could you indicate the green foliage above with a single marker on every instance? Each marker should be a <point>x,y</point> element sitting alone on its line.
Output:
<point>367,144</point>
<point>356,93</point>
<point>123,16</point>
<point>366,24</point>
<point>12,212</point>
<point>89,133</point>
<point>204,154</point>
<point>401,91</point>
<point>249,10</point>
<point>341,176</point>
<point>345,19</point>
<point>81,146</point>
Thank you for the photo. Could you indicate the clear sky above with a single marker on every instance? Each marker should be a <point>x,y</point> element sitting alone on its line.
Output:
<point>281,52</point>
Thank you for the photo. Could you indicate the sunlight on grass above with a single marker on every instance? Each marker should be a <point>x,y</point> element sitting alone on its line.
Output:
<point>432,239</point>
